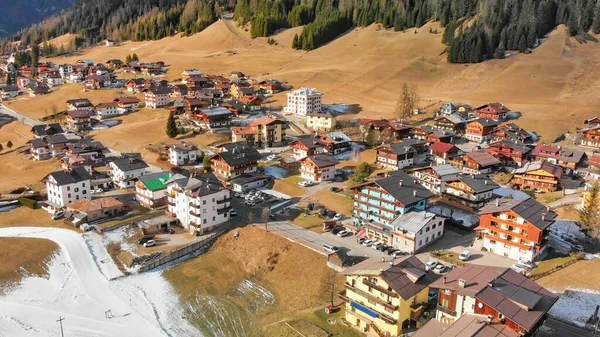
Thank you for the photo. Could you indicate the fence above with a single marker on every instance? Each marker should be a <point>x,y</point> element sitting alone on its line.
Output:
<point>555,269</point>
<point>180,252</point>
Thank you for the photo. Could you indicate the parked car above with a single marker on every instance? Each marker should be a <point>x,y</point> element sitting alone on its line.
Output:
<point>397,253</point>
<point>344,233</point>
<point>531,265</point>
<point>383,247</point>
<point>368,242</point>
<point>98,190</point>
<point>335,189</point>
<point>430,265</point>
<point>150,243</point>
<point>521,268</point>
<point>57,215</point>
<point>233,212</point>
<point>337,217</point>
<point>145,239</point>
<point>86,227</point>
<point>336,229</point>
<point>431,295</point>
<point>376,245</point>
<point>237,194</point>
<point>330,248</point>
<point>250,202</point>
<point>440,268</point>
<point>361,240</point>
<point>305,183</point>
<point>465,255</point>
<point>331,215</point>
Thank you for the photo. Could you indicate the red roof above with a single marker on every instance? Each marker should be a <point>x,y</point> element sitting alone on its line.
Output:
<point>440,147</point>
<point>595,160</point>
<point>242,130</point>
<point>545,149</point>
<point>264,121</point>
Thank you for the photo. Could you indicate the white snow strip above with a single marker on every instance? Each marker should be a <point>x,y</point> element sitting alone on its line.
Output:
<point>576,305</point>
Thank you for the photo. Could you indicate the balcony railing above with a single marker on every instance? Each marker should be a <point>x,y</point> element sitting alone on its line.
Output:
<point>379,288</point>
<point>223,201</point>
<point>371,297</point>
<point>342,296</point>
<point>446,310</point>
<point>223,210</point>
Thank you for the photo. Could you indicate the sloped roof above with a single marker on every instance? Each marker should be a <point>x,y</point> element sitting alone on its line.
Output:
<point>555,170</point>
<point>80,113</point>
<point>483,158</point>
<point>408,277</point>
<point>479,183</point>
<point>524,149</point>
<point>413,222</point>
<point>75,175</point>
<point>442,147</point>
<point>485,122</point>
<point>265,121</point>
<point>528,208</point>
<point>446,170</point>
<point>159,90</point>
<point>86,205</point>
<point>216,111</point>
<point>157,181</point>
<point>129,163</point>
<point>238,153</point>
<point>402,187</point>
<point>46,129</point>
<point>476,278</point>
<point>200,185</point>
<point>323,160</point>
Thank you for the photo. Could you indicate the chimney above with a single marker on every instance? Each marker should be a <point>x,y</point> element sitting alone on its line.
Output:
<point>383,259</point>
<point>543,216</point>
<point>400,183</point>
<point>444,280</point>
<point>461,283</point>
<point>548,208</point>
<point>497,202</point>
<point>485,182</point>
<point>489,319</point>
<point>415,193</point>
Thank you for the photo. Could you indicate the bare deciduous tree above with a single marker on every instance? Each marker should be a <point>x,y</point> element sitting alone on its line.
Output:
<point>266,213</point>
<point>406,102</point>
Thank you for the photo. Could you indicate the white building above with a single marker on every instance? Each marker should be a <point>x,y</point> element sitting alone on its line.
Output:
<point>317,168</point>
<point>414,230</point>
<point>182,154</point>
<point>54,80</point>
<point>434,178</point>
<point>65,70</point>
<point>8,91</point>
<point>303,101</point>
<point>106,110</point>
<point>200,203</point>
<point>126,170</point>
<point>64,187</point>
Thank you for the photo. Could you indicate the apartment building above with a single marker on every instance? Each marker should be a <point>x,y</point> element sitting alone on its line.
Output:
<point>304,147</point>
<point>434,178</point>
<point>235,159</point>
<point>395,156</point>
<point>539,175</point>
<point>262,132</point>
<point>107,110</point>
<point>157,96</point>
<point>320,121</point>
<point>64,187</point>
<point>182,154</point>
<point>473,191</point>
<point>126,170</point>
<point>151,189</point>
<point>303,101</point>
<point>481,130</point>
<point>413,231</point>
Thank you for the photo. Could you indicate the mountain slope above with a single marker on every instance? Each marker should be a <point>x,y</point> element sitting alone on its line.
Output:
<point>18,14</point>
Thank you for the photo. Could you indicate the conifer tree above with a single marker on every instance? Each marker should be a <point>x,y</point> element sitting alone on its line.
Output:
<point>171,126</point>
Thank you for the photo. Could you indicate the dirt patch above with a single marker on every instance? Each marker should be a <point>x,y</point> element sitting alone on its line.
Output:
<point>24,257</point>
<point>567,212</point>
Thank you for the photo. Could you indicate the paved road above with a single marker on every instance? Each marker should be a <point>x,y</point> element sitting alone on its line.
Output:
<point>565,200</point>
<point>24,119</point>
<point>562,329</point>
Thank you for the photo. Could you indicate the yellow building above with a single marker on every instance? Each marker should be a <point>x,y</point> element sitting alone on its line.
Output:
<point>320,121</point>
<point>262,132</point>
<point>387,299</point>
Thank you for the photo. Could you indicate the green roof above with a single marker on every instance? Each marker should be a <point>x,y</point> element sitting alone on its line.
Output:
<point>158,182</point>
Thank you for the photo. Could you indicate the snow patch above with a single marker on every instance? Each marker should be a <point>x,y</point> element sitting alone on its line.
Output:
<point>576,306</point>
<point>339,108</point>
<point>469,219</point>
<point>256,296</point>
<point>276,172</point>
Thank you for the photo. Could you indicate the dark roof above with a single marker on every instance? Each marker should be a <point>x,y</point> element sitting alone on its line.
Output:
<point>513,145</point>
<point>531,210</point>
<point>138,81</point>
<point>80,102</point>
<point>200,185</point>
<point>402,187</point>
<point>479,183</point>
<point>77,174</point>
<point>37,143</point>
<point>323,160</point>
<point>401,148</point>
<point>129,163</point>
<point>80,113</point>
<point>248,178</point>
<point>485,122</point>
<point>56,139</point>
<point>86,146</point>
<point>238,153</point>
<point>158,90</point>
<point>7,88</point>
<point>476,278</point>
<point>563,154</point>
<point>413,141</point>
<point>47,129</point>
<point>408,277</point>
<point>518,298</point>
<point>311,143</point>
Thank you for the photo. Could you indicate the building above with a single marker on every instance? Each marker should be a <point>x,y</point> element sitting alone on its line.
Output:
<point>247,182</point>
<point>37,88</point>
<point>473,191</point>
<point>182,154</point>
<point>453,123</point>
<point>434,178</point>
<point>251,102</point>
<point>114,63</point>
<point>512,132</point>
<point>318,168</point>
<point>307,146</point>
<point>589,136</point>
<point>495,111</point>
<point>509,152</point>
<point>475,162</point>
<point>54,79</point>
<point>90,150</point>
<point>129,103</point>
<point>200,203</point>
<point>516,228</point>
<point>48,146</point>
<point>238,89</point>
<point>91,210</point>
<point>335,142</point>
<point>79,119</point>
<point>494,301</point>
<point>448,109</point>
<point>80,104</point>
<point>191,104</point>
<point>157,96</point>
<point>386,299</point>
<point>136,85</point>
<point>126,170</point>
<point>64,187</point>
<point>481,130</point>
<point>98,81</point>
<point>303,101</point>
<point>320,121</point>
<point>262,132</point>
<point>216,117</point>
<point>69,162</point>
<point>441,152</point>
<point>539,175</point>
<point>270,86</point>
<point>151,189</point>
<point>377,203</point>
<point>413,231</point>
<point>107,110</point>
<point>443,136</point>
<point>8,91</point>
<point>235,159</point>
<point>395,156</point>
<point>566,158</point>
<point>43,130</point>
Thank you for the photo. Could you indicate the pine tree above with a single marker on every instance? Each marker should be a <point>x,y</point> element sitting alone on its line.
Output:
<point>370,139</point>
<point>135,58</point>
<point>1,148</point>
<point>572,25</point>
<point>295,42</point>
<point>9,145</point>
<point>128,59</point>
<point>522,44</point>
<point>171,126</point>
<point>35,55</point>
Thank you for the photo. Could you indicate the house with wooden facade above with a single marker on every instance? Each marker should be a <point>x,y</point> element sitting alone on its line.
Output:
<point>135,85</point>
<point>481,130</point>
<point>307,146</point>
<point>475,162</point>
<point>512,132</point>
<point>262,132</point>
<point>214,117</point>
<point>395,156</point>
<point>472,191</point>
<point>453,123</point>
<point>509,152</point>
<point>335,142</point>
<point>386,298</point>
<point>516,228</point>
<point>440,136</point>
<point>129,103</point>
<point>79,119</point>
<point>538,175</point>
<point>495,111</point>
<point>318,168</point>
<point>270,86</point>
<point>234,160</point>
<point>441,152</point>
<point>434,178</point>
<point>566,158</point>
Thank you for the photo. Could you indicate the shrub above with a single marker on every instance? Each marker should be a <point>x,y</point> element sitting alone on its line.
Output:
<point>28,202</point>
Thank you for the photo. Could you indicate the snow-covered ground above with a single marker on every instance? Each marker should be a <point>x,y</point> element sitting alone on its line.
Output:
<point>564,234</point>
<point>276,172</point>
<point>469,219</point>
<point>347,155</point>
<point>339,108</point>
<point>576,305</point>
<point>83,283</point>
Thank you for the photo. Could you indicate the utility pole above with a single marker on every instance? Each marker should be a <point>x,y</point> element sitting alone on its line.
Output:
<point>60,319</point>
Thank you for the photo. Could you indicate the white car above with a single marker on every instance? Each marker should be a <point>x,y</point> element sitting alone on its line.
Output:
<point>343,233</point>
<point>337,217</point>
<point>376,245</point>
<point>86,227</point>
<point>368,242</point>
<point>465,255</point>
<point>430,265</point>
<point>521,268</point>
<point>98,190</point>
<point>305,183</point>
<point>233,212</point>
<point>58,215</point>
<point>150,243</point>
<point>440,268</point>
<point>272,157</point>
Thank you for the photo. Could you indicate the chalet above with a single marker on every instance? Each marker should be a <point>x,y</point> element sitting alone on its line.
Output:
<point>98,81</point>
<point>238,75</point>
<point>22,82</point>
<point>235,89</point>
<point>64,187</point>
<point>135,85</point>
<point>516,228</point>
<point>417,144</point>
<point>234,106</point>
<point>475,162</point>
<point>68,163</point>
<point>421,132</point>
<point>190,76</point>
<point>107,110</point>
<point>43,130</point>
<point>453,123</point>
<point>262,132</point>
<point>396,130</point>
<point>434,178</point>
<point>495,111</point>
<point>411,232</point>
<point>251,103</point>
<point>182,154</point>
<point>150,68</point>
<point>442,136</point>
<point>447,109</point>
<point>75,77</point>
<point>129,103</point>
<point>475,300</point>
<point>592,121</point>
<point>509,152</point>
<point>270,86</point>
<point>79,119</point>
<point>320,121</point>
<point>377,203</point>
<point>318,168</point>
<point>180,90</point>
<point>191,104</point>
<point>441,152</point>
<point>512,132</point>
<point>26,71</point>
<point>53,80</point>
<point>591,171</point>
<point>307,146</point>
<point>157,97</point>
<point>8,91</point>
<point>247,182</point>
<point>366,123</point>
<point>566,158</point>
<point>48,146</point>
<point>80,104</point>
<point>39,150</point>
<point>37,88</point>
<point>335,142</point>
<point>538,175</point>
<point>85,62</point>
<point>395,156</point>
<point>472,191</point>
<point>481,130</point>
<point>235,160</point>
<point>90,150</point>
<point>64,70</point>
<point>213,117</point>
<point>114,63</point>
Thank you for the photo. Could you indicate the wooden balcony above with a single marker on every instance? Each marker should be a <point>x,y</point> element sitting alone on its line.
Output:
<point>371,297</point>
<point>342,296</point>
<point>223,201</point>
<point>446,310</point>
<point>379,288</point>
<point>223,210</point>
<point>417,310</point>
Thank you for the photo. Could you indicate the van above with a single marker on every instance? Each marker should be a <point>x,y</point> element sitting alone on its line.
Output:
<point>465,255</point>
<point>330,248</point>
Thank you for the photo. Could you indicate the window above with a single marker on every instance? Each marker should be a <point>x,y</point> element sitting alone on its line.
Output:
<point>420,242</point>
<point>213,218</point>
<point>84,191</point>
<point>68,188</point>
<point>69,195</point>
<point>213,200</point>
<point>445,303</point>
<point>76,189</point>
<point>203,202</point>
<point>427,239</point>
<point>433,227</point>
<point>204,221</point>
<point>427,229</point>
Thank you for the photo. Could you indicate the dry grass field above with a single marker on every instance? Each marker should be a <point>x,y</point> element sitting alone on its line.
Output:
<point>23,216</point>
<point>564,279</point>
<point>20,260</point>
